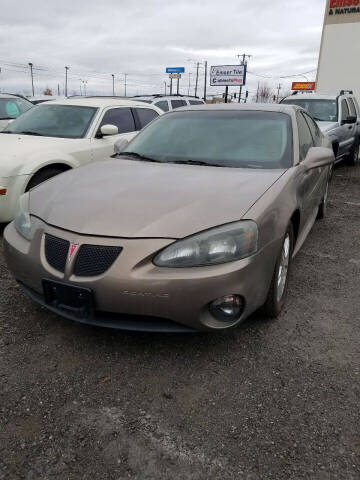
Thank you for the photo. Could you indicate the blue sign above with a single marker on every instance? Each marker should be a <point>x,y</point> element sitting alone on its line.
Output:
<point>175,70</point>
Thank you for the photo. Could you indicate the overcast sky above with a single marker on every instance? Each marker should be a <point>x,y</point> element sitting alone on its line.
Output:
<point>143,37</point>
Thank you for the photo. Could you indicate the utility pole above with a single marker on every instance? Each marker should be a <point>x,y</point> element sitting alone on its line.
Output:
<point>66,80</point>
<point>58,90</point>
<point>178,82</point>
<point>244,63</point>
<point>189,84</point>
<point>125,74</point>
<point>257,92</point>
<point>171,85</point>
<point>165,87</point>
<point>205,81</point>
<point>32,77</point>
<point>80,87</point>
<point>197,77</point>
<point>113,84</point>
<point>278,92</point>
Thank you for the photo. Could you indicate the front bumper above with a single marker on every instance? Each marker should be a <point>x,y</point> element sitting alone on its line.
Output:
<point>134,293</point>
<point>15,187</point>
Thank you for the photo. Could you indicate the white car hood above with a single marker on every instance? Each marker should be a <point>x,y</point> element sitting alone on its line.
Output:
<point>3,124</point>
<point>15,150</point>
<point>326,127</point>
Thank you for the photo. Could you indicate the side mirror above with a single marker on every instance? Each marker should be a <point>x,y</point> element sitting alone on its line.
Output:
<point>120,145</point>
<point>319,157</point>
<point>107,130</point>
<point>349,120</point>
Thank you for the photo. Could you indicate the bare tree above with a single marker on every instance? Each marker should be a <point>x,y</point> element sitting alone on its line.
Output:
<point>47,91</point>
<point>263,94</point>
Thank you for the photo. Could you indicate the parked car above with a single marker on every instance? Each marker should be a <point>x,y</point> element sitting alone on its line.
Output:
<point>169,102</point>
<point>11,106</point>
<point>192,227</point>
<point>337,116</point>
<point>56,136</point>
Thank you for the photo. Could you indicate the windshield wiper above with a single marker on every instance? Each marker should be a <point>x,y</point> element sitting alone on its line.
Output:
<point>29,132</point>
<point>137,156</point>
<point>195,162</point>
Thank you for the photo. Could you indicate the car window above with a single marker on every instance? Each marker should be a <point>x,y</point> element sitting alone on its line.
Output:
<point>305,138</point>
<point>225,138</point>
<point>196,102</point>
<point>163,105</point>
<point>178,103</point>
<point>344,110</point>
<point>352,107</point>
<point>315,130</point>
<point>145,116</point>
<point>49,120</point>
<point>121,118</point>
<point>357,107</point>
<point>13,107</point>
<point>320,110</point>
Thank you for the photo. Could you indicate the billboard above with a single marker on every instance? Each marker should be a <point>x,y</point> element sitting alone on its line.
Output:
<point>228,75</point>
<point>342,11</point>
<point>307,86</point>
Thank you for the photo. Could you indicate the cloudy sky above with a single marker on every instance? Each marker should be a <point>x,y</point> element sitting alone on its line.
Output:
<point>143,37</point>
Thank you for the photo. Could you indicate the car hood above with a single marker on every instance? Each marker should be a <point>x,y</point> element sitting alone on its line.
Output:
<point>3,124</point>
<point>325,127</point>
<point>16,149</point>
<point>126,198</point>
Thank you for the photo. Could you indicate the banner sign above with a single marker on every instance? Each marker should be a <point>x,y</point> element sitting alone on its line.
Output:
<point>303,86</point>
<point>175,70</point>
<point>228,76</point>
<point>175,75</point>
<point>342,11</point>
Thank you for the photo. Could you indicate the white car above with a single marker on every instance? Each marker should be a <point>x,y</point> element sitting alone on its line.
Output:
<point>169,102</point>
<point>11,106</point>
<point>56,136</point>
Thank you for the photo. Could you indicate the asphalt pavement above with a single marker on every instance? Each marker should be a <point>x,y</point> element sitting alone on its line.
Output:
<point>268,400</point>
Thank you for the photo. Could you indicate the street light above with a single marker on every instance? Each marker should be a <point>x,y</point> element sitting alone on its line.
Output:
<point>113,84</point>
<point>66,81</point>
<point>32,77</point>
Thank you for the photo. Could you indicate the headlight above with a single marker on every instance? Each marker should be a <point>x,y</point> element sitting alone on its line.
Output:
<point>228,243</point>
<point>22,220</point>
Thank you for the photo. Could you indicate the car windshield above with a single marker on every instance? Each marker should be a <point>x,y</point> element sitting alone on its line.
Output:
<point>48,120</point>
<point>321,110</point>
<point>233,138</point>
<point>12,107</point>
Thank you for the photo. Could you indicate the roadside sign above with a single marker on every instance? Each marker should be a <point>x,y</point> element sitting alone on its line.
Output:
<point>228,75</point>
<point>175,75</point>
<point>175,70</point>
<point>303,86</point>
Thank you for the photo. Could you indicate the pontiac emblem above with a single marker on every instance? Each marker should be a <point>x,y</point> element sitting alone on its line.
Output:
<point>73,249</point>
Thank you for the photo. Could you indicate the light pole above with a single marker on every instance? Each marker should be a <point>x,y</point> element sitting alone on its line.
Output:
<point>113,84</point>
<point>66,80</point>
<point>244,63</point>
<point>189,84</point>
<point>32,77</point>
<point>205,80</point>
<point>165,87</point>
<point>125,74</point>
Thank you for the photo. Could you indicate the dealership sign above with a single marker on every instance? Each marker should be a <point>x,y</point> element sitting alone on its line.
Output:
<point>342,11</point>
<point>228,75</point>
<point>175,70</point>
<point>303,86</point>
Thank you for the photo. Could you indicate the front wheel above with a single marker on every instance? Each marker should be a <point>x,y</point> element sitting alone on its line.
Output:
<point>278,289</point>
<point>353,157</point>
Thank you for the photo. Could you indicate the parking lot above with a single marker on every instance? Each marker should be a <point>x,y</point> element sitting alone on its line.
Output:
<point>269,400</point>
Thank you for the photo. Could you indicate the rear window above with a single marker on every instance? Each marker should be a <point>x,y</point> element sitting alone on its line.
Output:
<point>13,107</point>
<point>196,102</point>
<point>178,103</point>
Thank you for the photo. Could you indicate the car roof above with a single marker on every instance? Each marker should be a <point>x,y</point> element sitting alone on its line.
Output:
<point>312,96</point>
<point>13,95</point>
<point>261,107</point>
<point>167,97</point>
<point>101,102</point>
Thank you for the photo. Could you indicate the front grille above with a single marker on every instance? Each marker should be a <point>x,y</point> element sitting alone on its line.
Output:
<point>95,259</point>
<point>56,251</point>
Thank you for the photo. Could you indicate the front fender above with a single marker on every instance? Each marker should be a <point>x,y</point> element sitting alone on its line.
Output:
<point>39,160</point>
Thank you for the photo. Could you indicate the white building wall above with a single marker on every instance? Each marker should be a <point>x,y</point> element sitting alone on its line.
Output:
<point>339,60</point>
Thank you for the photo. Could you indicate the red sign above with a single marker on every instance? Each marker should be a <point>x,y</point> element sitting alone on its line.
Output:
<point>303,86</point>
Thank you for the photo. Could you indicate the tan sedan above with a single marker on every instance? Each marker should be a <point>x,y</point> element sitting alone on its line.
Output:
<point>192,226</point>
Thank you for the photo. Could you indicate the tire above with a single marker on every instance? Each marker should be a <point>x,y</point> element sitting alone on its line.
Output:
<point>277,292</point>
<point>323,205</point>
<point>42,176</point>
<point>353,157</point>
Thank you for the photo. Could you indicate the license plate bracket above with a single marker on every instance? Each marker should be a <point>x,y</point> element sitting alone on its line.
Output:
<point>70,299</point>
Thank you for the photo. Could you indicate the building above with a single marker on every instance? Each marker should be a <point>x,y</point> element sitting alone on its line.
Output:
<point>339,60</point>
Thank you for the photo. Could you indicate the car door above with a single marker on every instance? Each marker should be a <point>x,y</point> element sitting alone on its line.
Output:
<point>121,117</point>
<point>353,113</point>
<point>320,174</point>
<point>308,179</point>
<point>345,131</point>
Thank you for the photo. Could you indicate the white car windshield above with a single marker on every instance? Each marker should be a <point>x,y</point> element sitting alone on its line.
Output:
<point>242,139</point>
<point>63,121</point>
<point>13,107</point>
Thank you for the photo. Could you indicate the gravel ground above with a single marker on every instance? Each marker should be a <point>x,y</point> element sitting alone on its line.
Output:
<point>269,400</point>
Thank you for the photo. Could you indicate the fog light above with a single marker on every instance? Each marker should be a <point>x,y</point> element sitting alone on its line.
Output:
<point>227,309</point>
